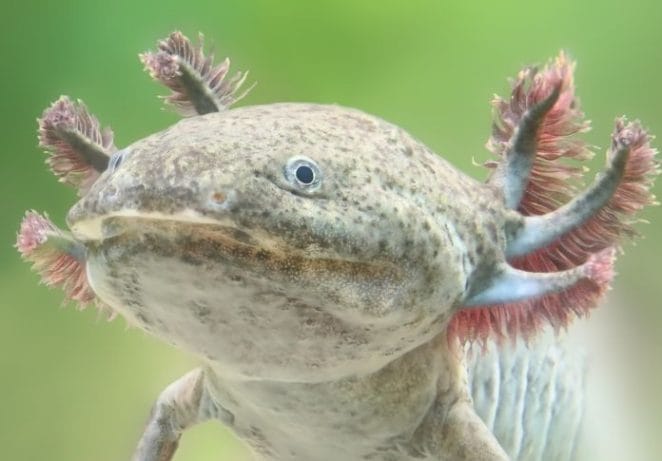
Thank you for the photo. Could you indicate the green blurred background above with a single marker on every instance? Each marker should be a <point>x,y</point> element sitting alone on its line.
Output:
<point>77,388</point>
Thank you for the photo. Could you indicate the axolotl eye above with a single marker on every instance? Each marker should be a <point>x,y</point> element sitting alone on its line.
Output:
<point>303,173</point>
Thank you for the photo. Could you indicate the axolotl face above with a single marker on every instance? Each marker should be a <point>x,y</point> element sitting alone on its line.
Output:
<point>289,241</point>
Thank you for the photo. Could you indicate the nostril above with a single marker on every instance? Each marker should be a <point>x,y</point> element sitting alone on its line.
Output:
<point>218,197</point>
<point>222,200</point>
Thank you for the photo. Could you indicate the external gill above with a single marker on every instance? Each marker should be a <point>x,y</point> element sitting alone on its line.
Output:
<point>509,285</point>
<point>533,133</point>
<point>79,150</point>
<point>560,243</point>
<point>57,258</point>
<point>519,159</point>
<point>535,232</point>
<point>55,255</point>
<point>198,87</point>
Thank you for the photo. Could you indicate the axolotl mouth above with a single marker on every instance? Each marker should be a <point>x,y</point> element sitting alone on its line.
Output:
<point>248,302</point>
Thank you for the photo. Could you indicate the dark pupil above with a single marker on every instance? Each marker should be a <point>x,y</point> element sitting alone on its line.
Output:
<point>305,174</point>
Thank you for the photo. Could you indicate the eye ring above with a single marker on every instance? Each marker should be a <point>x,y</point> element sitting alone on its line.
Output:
<point>303,174</point>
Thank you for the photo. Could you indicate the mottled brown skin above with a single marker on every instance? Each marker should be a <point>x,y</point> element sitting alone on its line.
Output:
<point>320,311</point>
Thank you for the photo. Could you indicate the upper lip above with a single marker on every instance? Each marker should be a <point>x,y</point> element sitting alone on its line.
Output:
<point>96,227</point>
<point>87,218</point>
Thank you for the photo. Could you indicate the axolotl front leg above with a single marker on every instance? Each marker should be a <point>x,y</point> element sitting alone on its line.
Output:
<point>182,404</point>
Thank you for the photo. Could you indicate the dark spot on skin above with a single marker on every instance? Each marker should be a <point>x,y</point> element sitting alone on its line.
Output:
<point>471,256</point>
<point>130,302</point>
<point>191,259</point>
<point>492,232</point>
<point>241,236</point>
<point>200,310</point>
<point>143,318</point>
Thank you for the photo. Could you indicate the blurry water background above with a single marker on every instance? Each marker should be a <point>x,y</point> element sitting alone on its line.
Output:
<point>75,388</point>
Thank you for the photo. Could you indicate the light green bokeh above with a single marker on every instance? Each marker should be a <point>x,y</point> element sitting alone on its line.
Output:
<point>77,389</point>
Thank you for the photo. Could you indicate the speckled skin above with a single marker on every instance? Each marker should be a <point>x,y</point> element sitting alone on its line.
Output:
<point>320,313</point>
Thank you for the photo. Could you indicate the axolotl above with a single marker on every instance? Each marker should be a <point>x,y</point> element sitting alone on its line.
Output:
<point>330,270</point>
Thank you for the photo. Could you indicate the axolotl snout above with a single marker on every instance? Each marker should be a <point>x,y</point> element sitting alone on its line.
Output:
<point>327,266</point>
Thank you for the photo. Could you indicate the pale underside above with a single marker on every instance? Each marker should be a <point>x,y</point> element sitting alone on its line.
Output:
<point>532,397</point>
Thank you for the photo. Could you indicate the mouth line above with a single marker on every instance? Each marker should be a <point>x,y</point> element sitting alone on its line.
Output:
<point>98,228</point>
<point>210,239</point>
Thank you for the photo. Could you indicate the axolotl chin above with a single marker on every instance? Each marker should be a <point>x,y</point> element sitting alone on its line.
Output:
<point>327,267</point>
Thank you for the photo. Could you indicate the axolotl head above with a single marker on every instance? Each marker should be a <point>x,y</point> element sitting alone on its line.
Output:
<point>286,239</point>
<point>308,242</point>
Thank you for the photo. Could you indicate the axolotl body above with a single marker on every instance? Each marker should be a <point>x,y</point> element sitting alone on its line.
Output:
<point>316,258</point>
